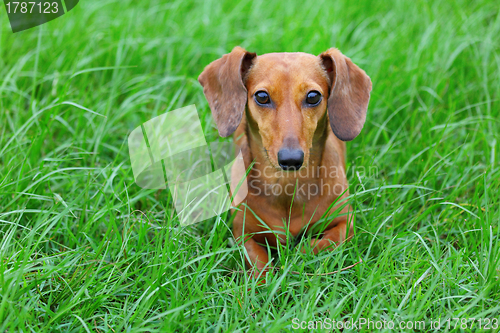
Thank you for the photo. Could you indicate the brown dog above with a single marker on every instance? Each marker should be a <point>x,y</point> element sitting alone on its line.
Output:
<point>290,113</point>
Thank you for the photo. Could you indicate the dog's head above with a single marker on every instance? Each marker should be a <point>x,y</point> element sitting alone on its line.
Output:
<point>288,95</point>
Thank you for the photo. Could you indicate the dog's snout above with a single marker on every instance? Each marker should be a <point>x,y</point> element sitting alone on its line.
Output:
<point>290,159</point>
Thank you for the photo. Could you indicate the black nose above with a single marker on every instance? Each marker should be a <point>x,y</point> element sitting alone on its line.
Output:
<point>290,159</point>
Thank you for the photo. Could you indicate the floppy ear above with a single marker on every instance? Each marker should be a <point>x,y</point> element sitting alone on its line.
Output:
<point>349,94</point>
<point>223,86</point>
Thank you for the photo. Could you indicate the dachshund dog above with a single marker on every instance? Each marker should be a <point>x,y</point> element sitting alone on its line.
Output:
<point>290,114</point>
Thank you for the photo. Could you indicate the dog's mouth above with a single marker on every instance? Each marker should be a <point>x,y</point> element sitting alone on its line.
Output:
<point>290,168</point>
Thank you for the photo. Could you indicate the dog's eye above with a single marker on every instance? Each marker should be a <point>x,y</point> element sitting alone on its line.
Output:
<point>313,97</point>
<point>261,97</point>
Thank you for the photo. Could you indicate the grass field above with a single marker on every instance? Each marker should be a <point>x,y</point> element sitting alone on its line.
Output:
<point>84,249</point>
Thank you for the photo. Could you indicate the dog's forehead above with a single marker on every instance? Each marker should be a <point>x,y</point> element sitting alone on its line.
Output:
<point>296,65</point>
<point>288,57</point>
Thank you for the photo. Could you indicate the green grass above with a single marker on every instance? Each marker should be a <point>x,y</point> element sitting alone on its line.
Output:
<point>83,248</point>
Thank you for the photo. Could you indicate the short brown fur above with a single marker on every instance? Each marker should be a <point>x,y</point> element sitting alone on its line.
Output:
<point>230,84</point>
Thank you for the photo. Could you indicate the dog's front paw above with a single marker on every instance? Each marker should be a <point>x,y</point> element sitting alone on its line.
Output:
<point>319,244</point>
